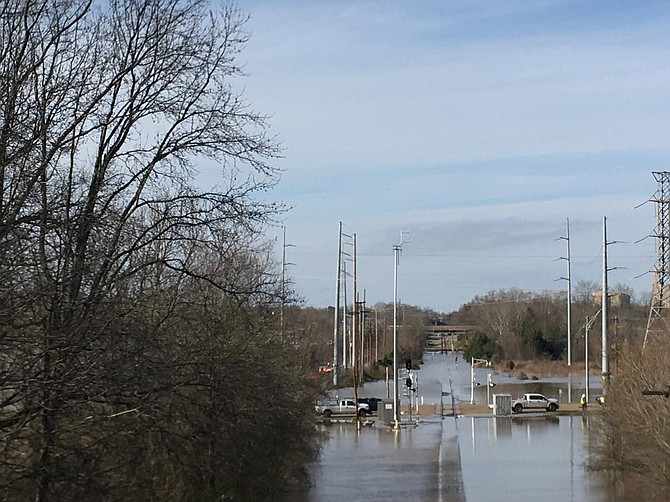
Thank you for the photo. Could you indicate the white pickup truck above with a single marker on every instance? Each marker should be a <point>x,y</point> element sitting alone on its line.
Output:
<point>342,407</point>
<point>534,402</point>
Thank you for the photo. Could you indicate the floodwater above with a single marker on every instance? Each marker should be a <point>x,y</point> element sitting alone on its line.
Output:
<point>464,458</point>
<point>503,456</point>
<point>379,463</point>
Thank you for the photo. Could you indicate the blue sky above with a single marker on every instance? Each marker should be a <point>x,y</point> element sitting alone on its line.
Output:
<point>477,126</point>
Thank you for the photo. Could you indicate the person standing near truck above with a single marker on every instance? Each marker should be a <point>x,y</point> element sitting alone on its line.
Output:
<point>582,401</point>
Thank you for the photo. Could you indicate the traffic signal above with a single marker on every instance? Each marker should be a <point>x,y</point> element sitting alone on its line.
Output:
<point>408,364</point>
<point>408,382</point>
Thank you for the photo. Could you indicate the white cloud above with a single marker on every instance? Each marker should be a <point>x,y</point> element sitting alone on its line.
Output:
<point>479,125</point>
<point>343,105</point>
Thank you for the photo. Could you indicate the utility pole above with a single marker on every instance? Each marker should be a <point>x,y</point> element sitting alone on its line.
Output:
<point>569,320</point>
<point>397,248</point>
<point>345,341</point>
<point>604,300</point>
<point>376,336</point>
<point>354,317</point>
<point>569,279</point>
<point>353,331</point>
<point>361,330</point>
<point>346,356</point>
<point>336,323</point>
<point>283,284</point>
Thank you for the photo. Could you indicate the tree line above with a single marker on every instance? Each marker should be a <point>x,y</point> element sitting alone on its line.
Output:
<point>515,324</point>
<point>139,355</point>
<point>630,441</point>
<point>310,330</point>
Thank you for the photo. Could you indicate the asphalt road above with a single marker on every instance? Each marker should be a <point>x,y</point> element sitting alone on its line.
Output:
<point>382,464</point>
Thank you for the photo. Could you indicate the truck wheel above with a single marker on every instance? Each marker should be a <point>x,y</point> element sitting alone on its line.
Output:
<point>518,408</point>
<point>361,413</point>
<point>552,407</point>
<point>327,413</point>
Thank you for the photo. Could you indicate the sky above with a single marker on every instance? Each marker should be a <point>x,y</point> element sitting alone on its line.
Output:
<point>477,127</point>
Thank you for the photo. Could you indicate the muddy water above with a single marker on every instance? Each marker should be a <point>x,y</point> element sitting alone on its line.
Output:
<point>449,373</point>
<point>543,455</point>
<point>461,459</point>
<point>377,463</point>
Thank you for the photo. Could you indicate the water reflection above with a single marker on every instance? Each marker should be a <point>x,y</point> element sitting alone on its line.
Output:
<point>562,389</point>
<point>546,455</point>
<point>473,459</point>
<point>378,464</point>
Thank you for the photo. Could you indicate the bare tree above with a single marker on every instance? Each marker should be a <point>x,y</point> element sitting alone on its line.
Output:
<point>107,111</point>
<point>634,428</point>
<point>501,314</point>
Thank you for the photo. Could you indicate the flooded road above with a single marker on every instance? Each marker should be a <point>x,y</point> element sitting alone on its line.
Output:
<point>459,459</point>
<point>378,463</point>
<point>501,459</point>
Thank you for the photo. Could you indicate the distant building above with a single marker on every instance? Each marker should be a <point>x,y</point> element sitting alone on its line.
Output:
<point>617,300</point>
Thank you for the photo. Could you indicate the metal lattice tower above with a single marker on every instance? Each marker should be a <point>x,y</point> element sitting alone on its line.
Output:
<point>660,291</point>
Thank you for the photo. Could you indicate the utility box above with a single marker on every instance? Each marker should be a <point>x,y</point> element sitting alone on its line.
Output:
<point>385,412</point>
<point>502,405</point>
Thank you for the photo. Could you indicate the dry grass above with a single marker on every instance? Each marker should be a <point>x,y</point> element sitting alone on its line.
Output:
<point>635,430</point>
<point>535,369</point>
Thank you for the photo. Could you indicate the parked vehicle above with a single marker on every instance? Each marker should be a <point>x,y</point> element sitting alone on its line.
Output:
<point>342,407</point>
<point>373,402</point>
<point>534,402</point>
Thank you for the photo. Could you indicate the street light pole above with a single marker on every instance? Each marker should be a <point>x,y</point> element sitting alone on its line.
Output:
<point>397,248</point>
<point>474,361</point>
<point>472,381</point>
<point>488,387</point>
<point>396,403</point>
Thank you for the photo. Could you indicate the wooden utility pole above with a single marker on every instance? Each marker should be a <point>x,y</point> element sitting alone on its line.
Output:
<point>283,286</point>
<point>361,330</point>
<point>346,360</point>
<point>376,336</point>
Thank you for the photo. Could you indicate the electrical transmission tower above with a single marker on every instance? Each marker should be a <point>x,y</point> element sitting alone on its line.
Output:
<point>660,294</point>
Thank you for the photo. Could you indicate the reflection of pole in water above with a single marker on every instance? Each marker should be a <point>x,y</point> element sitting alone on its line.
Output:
<point>441,401</point>
<point>572,464</point>
<point>490,433</point>
<point>569,387</point>
<point>388,387</point>
<point>472,425</point>
<point>489,385</point>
